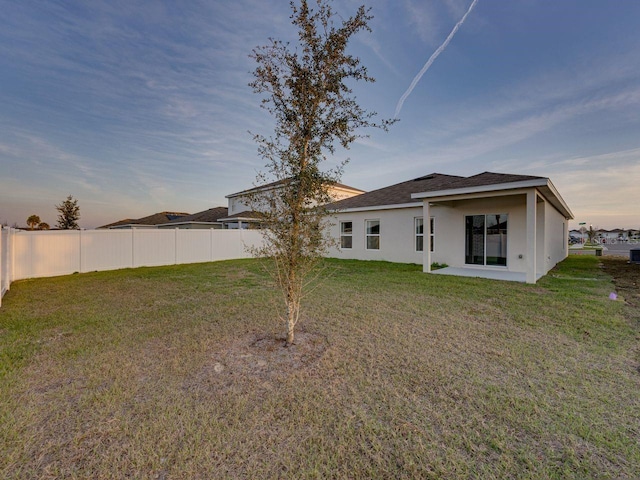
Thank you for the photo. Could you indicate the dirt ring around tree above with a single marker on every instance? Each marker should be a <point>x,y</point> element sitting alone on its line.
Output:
<point>259,359</point>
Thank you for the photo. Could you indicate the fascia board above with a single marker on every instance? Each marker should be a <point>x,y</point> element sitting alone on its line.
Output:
<point>482,189</point>
<point>236,219</point>
<point>556,194</point>
<point>377,207</point>
<point>474,196</point>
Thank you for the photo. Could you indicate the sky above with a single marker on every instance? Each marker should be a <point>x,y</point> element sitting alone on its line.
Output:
<point>140,107</point>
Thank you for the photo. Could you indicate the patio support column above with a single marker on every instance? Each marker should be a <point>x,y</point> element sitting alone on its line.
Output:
<point>531,236</point>
<point>426,237</point>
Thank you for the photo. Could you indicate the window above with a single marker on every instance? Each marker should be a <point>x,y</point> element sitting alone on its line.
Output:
<point>346,234</point>
<point>486,239</point>
<point>432,233</point>
<point>372,234</point>
<point>419,233</point>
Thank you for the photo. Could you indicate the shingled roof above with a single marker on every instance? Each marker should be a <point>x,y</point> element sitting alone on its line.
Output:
<point>126,221</point>
<point>400,193</point>
<point>159,218</point>
<point>210,215</point>
<point>150,220</point>
<point>246,214</point>
<point>397,194</point>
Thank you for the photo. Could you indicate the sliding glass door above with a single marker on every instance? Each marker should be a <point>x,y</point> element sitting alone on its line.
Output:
<point>486,240</point>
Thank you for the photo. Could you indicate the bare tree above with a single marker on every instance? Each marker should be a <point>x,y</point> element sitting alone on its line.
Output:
<point>305,90</point>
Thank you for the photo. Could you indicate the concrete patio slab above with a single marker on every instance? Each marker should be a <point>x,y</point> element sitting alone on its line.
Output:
<point>485,273</point>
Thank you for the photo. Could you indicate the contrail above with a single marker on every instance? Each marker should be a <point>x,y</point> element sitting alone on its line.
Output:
<point>432,59</point>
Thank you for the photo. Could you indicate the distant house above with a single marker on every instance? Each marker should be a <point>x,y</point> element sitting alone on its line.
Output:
<point>150,221</point>
<point>201,220</point>
<point>492,225</point>
<point>616,234</point>
<point>240,214</point>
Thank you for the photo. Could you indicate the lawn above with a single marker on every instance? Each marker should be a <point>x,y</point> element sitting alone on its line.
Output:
<point>176,372</point>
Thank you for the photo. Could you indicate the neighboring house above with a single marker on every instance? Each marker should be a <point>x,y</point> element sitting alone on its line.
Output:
<point>510,227</point>
<point>201,220</point>
<point>240,214</point>
<point>150,221</point>
<point>126,221</point>
<point>617,234</point>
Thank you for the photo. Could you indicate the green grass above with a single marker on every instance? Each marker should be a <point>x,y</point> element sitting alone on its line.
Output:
<point>168,373</point>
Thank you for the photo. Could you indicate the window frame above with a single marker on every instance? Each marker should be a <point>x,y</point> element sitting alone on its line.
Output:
<point>432,234</point>
<point>484,241</point>
<point>344,235</point>
<point>416,235</point>
<point>368,235</point>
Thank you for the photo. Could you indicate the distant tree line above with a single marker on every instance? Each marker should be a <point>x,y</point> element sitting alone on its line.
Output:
<point>68,216</point>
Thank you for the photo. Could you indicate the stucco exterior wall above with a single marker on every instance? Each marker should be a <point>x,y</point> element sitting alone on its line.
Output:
<point>239,203</point>
<point>397,239</point>
<point>396,235</point>
<point>556,235</point>
<point>541,223</point>
<point>450,226</point>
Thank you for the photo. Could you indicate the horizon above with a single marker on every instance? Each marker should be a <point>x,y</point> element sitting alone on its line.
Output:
<point>138,109</point>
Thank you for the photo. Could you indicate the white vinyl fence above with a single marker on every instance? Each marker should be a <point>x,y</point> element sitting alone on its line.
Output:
<point>26,254</point>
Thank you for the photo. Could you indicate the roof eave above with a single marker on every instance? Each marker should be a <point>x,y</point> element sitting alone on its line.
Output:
<point>541,183</point>
<point>481,189</point>
<point>376,207</point>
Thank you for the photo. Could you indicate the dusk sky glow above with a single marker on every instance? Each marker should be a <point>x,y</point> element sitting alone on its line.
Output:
<point>141,107</point>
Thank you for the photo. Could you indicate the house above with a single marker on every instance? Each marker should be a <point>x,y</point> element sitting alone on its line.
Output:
<point>236,215</point>
<point>150,221</point>
<point>611,236</point>
<point>491,225</point>
<point>240,214</point>
<point>200,220</point>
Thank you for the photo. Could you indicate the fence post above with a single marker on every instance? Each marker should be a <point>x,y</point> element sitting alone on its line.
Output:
<point>133,247</point>
<point>211,244</point>
<point>12,246</point>
<point>80,249</point>
<point>2,279</point>
<point>175,246</point>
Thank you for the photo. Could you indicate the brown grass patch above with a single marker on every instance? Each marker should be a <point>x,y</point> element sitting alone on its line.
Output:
<point>257,361</point>
<point>175,372</point>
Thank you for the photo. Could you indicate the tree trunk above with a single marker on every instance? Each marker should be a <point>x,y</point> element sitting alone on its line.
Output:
<point>291,323</point>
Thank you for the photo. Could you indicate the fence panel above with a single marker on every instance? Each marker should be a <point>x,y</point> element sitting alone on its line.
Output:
<point>49,253</point>
<point>228,244</point>
<point>46,254</point>
<point>152,248</point>
<point>4,270</point>
<point>106,249</point>
<point>194,246</point>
